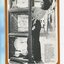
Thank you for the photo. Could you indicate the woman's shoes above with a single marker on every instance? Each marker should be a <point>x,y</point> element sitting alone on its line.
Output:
<point>39,62</point>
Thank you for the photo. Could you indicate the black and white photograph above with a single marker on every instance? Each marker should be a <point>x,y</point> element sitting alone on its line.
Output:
<point>32,32</point>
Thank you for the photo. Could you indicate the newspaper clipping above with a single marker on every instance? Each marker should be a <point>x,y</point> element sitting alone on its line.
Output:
<point>32,32</point>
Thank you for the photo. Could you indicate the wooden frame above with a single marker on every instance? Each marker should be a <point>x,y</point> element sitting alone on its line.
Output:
<point>6,31</point>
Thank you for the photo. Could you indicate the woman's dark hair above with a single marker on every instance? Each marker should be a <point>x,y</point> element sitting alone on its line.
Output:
<point>47,4</point>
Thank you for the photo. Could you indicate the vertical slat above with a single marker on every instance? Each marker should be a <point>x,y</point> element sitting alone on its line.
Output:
<point>30,33</point>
